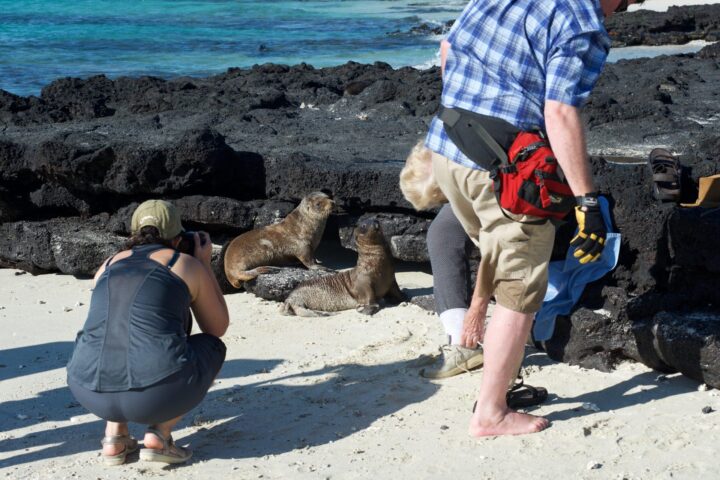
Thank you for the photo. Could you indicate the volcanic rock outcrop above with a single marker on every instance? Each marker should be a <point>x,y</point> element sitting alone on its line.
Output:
<point>676,26</point>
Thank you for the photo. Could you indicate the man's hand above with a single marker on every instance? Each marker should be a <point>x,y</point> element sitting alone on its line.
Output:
<point>590,240</point>
<point>474,325</point>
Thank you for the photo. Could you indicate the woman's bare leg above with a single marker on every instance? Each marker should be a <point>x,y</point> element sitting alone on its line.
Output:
<point>112,429</point>
<point>165,428</point>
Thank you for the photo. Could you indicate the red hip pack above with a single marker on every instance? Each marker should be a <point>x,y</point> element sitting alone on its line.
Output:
<point>532,183</point>
<point>527,179</point>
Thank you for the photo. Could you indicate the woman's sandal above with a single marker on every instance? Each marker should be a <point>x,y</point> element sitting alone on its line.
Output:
<point>170,453</point>
<point>131,445</point>
<point>666,174</point>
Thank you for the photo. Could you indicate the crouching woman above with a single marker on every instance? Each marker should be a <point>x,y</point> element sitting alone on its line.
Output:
<point>134,360</point>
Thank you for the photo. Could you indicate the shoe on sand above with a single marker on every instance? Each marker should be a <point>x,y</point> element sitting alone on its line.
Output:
<point>453,360</point>
<point>131,445</point>
<point>170,453</point>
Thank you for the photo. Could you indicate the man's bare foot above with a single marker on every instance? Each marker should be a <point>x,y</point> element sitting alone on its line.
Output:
<point>506,423</point>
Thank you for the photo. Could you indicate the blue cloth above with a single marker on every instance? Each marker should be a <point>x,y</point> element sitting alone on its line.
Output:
<point>567,279</point>
<point>508,56</point>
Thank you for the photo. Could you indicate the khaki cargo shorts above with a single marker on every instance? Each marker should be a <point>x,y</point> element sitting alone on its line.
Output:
<point>514,256</point>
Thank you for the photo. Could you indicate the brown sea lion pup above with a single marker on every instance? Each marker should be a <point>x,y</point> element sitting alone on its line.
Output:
<point>361,287</point>
<point>294,238</point>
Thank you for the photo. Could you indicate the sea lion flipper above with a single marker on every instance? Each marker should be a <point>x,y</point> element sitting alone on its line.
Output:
<point>266,269</point>
<point>369,309</point>
<point>246,275</point>
<point>308,259</point>
<point>395,293</point>
<point>322,268</point>
<point>291,310</point>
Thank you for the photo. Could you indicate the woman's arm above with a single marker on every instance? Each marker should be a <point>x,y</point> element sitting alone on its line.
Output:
<point>208,303</point>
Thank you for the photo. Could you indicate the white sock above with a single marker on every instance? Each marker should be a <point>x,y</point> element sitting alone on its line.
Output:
<point>452,321</point>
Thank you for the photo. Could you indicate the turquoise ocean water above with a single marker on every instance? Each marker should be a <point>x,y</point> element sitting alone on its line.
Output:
<point>44,40</point>
<point>41,40</point>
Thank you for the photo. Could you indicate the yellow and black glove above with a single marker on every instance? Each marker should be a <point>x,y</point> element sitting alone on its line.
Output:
<point>590,239</point>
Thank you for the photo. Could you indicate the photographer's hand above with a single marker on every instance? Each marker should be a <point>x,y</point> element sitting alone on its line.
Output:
<point>209,304</point>
<point>203,248</point>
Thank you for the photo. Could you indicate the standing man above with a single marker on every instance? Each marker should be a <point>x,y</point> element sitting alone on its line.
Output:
<point>528,64</point>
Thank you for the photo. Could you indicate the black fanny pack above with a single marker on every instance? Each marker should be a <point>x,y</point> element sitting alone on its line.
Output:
<point>483,139</point>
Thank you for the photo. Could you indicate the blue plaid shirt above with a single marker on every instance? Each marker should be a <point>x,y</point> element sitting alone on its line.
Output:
<point>508,56</point>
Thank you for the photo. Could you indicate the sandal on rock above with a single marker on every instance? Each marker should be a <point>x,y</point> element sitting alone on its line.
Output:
<point>170,453</point>
<point>131,445</point>
<point>666,173</point>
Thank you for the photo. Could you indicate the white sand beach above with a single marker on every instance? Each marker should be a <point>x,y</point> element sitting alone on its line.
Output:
<point>341,398</point>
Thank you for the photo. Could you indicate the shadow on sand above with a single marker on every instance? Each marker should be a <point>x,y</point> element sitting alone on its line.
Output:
<point>307,409</point>
<point>295,411</point>
<point>21,361</point>
<point>645,388</point>
<point>263,418</point>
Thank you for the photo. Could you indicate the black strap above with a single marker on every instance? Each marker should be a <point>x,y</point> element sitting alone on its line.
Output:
<point>451,116</point>
<point>107,264</point>
<point>174,258</point>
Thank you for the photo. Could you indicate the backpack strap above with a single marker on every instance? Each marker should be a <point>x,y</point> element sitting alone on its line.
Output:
<point>451,117</point>
<point>174,259</point>
<point>107,264</point>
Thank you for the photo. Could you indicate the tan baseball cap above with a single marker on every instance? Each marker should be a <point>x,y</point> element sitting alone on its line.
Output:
<point>159,214</point>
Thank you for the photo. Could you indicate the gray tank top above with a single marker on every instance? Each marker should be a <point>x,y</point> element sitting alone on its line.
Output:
<point>135,332</point>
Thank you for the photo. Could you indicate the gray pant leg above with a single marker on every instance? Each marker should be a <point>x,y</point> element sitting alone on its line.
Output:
<point>449,248</point>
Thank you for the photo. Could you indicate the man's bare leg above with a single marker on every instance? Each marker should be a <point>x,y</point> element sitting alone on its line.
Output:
<point>505,339</point>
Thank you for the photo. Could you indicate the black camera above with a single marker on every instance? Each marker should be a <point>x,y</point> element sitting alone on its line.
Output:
<point>187,242</point>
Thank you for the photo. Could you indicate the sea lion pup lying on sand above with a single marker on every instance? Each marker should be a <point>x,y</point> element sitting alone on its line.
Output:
<point>361,287</point>
<point>294,238</point>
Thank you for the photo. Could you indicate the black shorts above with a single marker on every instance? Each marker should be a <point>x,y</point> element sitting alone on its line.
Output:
<point>169,398</point>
